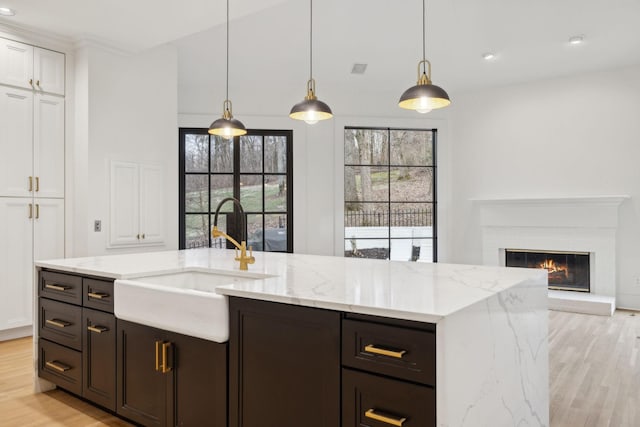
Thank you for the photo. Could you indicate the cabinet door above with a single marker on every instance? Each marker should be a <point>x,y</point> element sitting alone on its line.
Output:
<point>48,146</point>
<point>16,142</point>
<point>16,64</point>
<point>16,263</point>
<point>144,393</point>
<point>201,382</point>
<point>48,217</point>
<point>99,358</point>
<point>124,204</point>
<point>284,365</point>
<point>151,204</point>
<point>48,71</point>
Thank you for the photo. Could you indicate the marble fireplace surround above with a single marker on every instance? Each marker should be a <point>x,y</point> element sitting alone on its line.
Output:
<point>569,224</point>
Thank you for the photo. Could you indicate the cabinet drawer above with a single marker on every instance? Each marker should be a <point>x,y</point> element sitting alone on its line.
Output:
<point>372,401</point>
<point>61,287</point>
<point>98,294</point>
<point>60,365</point>
<point>390,350</point>
<point>60,323</point>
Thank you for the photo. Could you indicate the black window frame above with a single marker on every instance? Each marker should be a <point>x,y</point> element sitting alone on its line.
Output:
<point>434,202</point>
<point>236,181</point>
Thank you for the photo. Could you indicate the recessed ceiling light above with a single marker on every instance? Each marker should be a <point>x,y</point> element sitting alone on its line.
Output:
<point>5,11</point>
<point>358,68</point>
<point>576,40</point>
<point>488,56</point>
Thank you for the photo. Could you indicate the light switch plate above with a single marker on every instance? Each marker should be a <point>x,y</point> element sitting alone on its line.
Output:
<point>97,226</point>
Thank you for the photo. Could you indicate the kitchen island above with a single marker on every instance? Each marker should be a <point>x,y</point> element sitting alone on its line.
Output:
<point>484,329</point>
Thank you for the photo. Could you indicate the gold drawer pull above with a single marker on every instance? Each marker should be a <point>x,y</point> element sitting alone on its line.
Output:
<point>162,366</point>
<point>371,413</point>
<point>157,355</point>
<point>165,368</point>
<point>58,323</point>
<point>97,329</point>
<point>57,287</point>
<point>58,366</point>
<point>97,295</point>
<point>385,352</point>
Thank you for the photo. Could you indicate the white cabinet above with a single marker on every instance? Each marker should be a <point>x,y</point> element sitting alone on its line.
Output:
<point>136,204</point>
<point>16,64</point>
<point>31,144</point>
<point>30,67</point>
<point>16,142</point>
<point>48,146</point>
<point>28,231</point>
<point>48,71</point>
<point>32,169</point>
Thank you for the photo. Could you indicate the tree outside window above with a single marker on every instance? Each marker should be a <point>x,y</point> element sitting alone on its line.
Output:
<point>390,195</point>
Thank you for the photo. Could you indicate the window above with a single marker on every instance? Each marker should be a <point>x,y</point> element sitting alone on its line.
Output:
<point>390,194</point>
<point>256,169</point>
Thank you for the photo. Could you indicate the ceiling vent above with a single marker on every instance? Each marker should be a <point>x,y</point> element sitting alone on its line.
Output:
<point>359,68</point>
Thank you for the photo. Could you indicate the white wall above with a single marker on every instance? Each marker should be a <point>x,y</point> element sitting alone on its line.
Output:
<point>572,136</point>
<point>127,110</point>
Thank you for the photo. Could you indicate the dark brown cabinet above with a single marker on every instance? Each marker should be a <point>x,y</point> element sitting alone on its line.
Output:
<point>169,379</point>
<point>99,358</point>
<point>284,365</point>
<point>77,344</point>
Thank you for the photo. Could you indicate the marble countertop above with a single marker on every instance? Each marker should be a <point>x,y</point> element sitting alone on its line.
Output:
<point>403,290</point>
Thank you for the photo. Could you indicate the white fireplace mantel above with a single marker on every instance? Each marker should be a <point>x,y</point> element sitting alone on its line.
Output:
<point>580,224</point>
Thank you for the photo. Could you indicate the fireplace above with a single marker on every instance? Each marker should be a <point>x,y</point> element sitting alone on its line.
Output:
<point>568,271</point>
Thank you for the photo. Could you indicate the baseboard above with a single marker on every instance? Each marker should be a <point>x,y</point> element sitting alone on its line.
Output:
<point>580,302</point>
<point>12,334</point>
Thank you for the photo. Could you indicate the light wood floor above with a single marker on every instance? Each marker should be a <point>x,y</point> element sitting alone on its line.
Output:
<point>594,370</point>
<point>594,378</point>
<point>19,406</point>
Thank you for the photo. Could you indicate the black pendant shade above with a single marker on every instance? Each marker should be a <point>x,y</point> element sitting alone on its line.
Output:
<point>424,96</point>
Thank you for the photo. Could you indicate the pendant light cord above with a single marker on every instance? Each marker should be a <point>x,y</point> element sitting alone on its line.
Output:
<point>310,39</point>
<point>227,49</point>
<point>424,31</point>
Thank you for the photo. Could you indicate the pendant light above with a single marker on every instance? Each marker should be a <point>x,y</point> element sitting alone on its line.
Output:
<point>226,126</point>
<point>311,109</point>
<point>425,96</point>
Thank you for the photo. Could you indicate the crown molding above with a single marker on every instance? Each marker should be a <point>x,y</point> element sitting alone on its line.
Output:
<point>90,41</point>
<point>34,36</point>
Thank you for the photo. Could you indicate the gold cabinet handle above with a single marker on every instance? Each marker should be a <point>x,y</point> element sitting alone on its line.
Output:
<point>371,348</point>
<point>60,367</point>
<point>161,353</point>
<point>97,295</point>
<point>55,287</point>
<point>138,236</point>
<point>37,184</point>
<point>38,83</point>
<point>97,329</point>
<point>30,82</point>
<point>37,211</point>
<point>30,184</point>
<point>58,323</point>
<point>157,355</point>
<point>387,419</point>
<point>165,347</point>
<point>143,235</point>
<point>30,211</point>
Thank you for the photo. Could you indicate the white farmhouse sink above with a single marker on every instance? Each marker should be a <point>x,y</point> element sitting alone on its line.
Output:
<point>183,302</point>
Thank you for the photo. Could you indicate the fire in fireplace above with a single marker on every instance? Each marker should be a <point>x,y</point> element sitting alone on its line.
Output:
<point>568,271</point>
